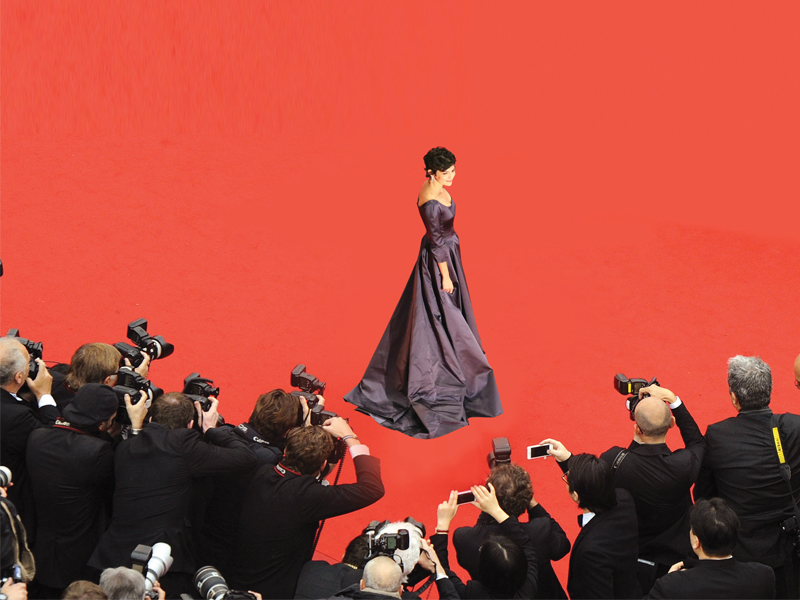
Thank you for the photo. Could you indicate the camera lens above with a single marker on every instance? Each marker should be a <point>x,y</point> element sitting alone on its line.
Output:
<point>5,476</point>
<point>210,583</point>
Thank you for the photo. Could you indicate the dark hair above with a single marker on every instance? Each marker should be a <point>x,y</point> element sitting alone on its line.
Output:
<point>83,590</point>
<point>715,525</point>
<point>750,379</point>
<point>502,566</point>
<point>593,481</point>
<point>173,410</point>
<point>275,413</point>
<point>307,448</point>
<point>92,363</point>
<point>438,159</point>
<point>512,485</point>
<point>356,552</point>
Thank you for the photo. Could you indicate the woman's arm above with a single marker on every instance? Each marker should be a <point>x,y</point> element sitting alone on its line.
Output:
<point>447,284</point>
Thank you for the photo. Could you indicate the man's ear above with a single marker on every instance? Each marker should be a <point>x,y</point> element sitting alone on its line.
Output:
<point>672,422</point>
<point>111,380</point>
<point>574,496</point>
<point>190,425</point>
<point>362,585</point>
<point>735,402</point>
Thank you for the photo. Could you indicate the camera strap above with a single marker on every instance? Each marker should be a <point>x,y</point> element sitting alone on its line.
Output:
<point>785,468</point>
<point>618,460</point>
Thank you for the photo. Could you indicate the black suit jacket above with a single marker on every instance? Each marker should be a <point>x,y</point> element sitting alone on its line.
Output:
<point>18,419</point>
<point>280,516</point>
<point>155,473</point>
<point>660,482</point>
<point>741,467</point>
<point>717,579</point>
<point>545,534</point>
<point>605,553</point>
<point>511,528</point>
<point>319,579</point>
<point>72,475</point>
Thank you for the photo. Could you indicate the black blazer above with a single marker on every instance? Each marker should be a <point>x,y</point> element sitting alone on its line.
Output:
<point>741,467</point>
<point>717,579</point>
<point>155,472</point>
<point>545,534</point>
<point>605,554</point>
<point>510,528</point>
<point>660,482</point>
<point>72,476</point>
<point>280,516</point>
<point>319,579</point>
<point>18,419</point>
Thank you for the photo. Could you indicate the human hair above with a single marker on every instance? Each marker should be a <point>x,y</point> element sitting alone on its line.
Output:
<point>307,448</point>
<point>382,574</point>
<point>502,566</point>
<point>355,554</point>
<point>12,360</point>
<point>274,414</point>
<point>122,583</point>
<point>593,481</point>
<point>92,363</point>
<point>715,525</point>
<point>513,488</point>
<point>750,380</point>
<point>438,159</point>
<point>173,410</point>
<point>83,590</point>
<point>653,419</point>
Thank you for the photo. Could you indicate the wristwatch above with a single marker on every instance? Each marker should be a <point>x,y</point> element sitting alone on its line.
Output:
<point>3,596</point>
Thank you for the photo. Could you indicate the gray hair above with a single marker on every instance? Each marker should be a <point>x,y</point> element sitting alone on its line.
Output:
<point>382,574</point>
<point>12,360</point>
<point>122,583</point>
<point>750,380</point>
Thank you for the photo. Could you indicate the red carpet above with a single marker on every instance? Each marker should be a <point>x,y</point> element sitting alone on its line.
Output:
<point>244,174</point>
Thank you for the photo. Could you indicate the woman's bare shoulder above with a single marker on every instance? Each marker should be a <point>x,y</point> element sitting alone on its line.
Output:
<point>425,194</point>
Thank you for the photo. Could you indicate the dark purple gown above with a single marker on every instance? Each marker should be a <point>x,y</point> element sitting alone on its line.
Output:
<point>429,373</point>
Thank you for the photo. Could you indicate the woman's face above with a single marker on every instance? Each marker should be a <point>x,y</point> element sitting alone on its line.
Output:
<point>445,177</point>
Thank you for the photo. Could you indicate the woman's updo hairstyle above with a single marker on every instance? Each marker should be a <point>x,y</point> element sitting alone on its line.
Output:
<point>438,159</point>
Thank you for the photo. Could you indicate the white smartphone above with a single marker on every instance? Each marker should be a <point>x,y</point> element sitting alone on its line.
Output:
<point>539,451</point>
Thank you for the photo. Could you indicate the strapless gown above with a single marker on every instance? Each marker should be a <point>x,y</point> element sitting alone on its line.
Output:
<point>429,373</point>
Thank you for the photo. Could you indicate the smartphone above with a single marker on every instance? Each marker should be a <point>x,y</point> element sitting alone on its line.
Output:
<point>539,451</point>
<point>465,497</point>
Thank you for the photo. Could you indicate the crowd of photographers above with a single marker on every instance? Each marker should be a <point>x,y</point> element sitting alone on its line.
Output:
<point>111,488</point>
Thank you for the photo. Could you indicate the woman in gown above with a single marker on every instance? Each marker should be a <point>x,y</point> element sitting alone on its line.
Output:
<point>429,373</point>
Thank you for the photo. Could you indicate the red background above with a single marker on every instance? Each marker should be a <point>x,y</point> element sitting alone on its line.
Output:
<point>243,175</point>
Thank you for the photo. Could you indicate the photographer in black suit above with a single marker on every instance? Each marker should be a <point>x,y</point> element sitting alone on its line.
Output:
<point>742,467</point>
<point>155,473</point>
<point>659,479</point>
<point>71,469</point>
<point>515,496</point>
<point>285,503</point>
<point>18,418</point>
<point>713,534</point>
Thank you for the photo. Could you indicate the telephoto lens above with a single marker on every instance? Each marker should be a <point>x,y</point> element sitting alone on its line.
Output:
<point>159,563</point>
<point>210,583</point>
<point>5,476</point>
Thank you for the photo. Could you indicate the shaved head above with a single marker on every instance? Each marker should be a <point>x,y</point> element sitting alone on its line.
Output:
<point>382,574</point>
<point>653,417</point>
<point>797,368</point>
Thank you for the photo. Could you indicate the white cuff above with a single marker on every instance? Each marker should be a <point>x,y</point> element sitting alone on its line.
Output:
<point>46,400</point>
<point>359,450</point>
<point>675,404</point>
<point>442,576</point>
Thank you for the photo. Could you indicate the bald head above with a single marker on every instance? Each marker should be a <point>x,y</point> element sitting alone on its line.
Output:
<point>653,417</point>
<point>382,574</point>
<point>14,359</point>
<point>797,368</point>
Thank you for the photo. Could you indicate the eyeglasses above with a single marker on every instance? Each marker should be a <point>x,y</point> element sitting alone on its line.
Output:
<point>565,477</point>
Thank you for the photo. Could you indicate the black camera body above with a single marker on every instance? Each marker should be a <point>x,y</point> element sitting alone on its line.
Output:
<point>385,544</point>
<point>35,350</point>
<point>132,383</point>
<point>200,389</point>
<point>309,387</point>
<point>154,345</point>
<point>631,387</point>
<point>306,382</point>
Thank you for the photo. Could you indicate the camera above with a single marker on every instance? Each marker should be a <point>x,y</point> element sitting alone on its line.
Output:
<point>33,348</point>
<point>631,387</point>
<point>385,543</point>
<point>130,382</point>
<point>152,562</point>
<point>211,585</point>
<point>500,454</point>
<point>156,346</point>
<point>309,387</point>
<point>792,529</point>
<point>306,382</point>
<point>199,389</point>
<point>5,476</point>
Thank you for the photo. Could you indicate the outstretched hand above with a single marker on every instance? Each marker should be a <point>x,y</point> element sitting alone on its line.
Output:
<point>446,511</point>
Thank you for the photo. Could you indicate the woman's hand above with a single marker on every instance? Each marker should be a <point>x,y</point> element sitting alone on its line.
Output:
<point>446,511</point>
<point>486,500</point>
<point>447,285</point>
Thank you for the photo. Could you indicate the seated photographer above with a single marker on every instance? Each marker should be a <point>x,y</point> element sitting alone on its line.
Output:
<point>156,472</point>
<point>285,503</point>
<point>713,535</point>
<point>514,491</point>
<point>507,566</point>
<point>18,418</point>
<point>71,468</point>
<point>274,415</point>
<point>604,556</point>
<point>320,579</point>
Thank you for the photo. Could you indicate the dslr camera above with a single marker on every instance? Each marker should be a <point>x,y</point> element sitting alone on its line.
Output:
<point>631,387</point>
<point>152,562</point>
<point>309,387</point>
<point>212,586</point>
<point>385,544</point>
<point>156,346</point>
<point>132,383</point>
<point>200,389</point>
<point>33,348</point>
